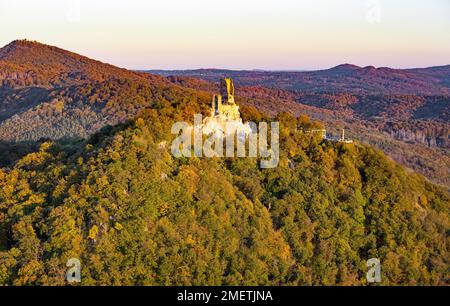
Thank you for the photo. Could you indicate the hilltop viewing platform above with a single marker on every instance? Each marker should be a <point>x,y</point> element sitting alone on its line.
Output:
<point>328,137</point>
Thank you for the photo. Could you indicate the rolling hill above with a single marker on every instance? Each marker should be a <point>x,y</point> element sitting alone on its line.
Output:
<point>29,63</point>
<point>51,93</point>
<point>345,78</point>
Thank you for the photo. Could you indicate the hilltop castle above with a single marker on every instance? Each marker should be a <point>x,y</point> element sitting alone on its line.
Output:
<point>224,111</point>
<point>223,105</point>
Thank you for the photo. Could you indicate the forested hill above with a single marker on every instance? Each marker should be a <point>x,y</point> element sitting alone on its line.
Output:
<point>30,63</point>
<point>134,214</point>
<point>48,92</point>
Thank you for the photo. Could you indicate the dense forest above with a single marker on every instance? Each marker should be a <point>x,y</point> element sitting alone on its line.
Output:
<point>86,172</point>
<point>134,214</point>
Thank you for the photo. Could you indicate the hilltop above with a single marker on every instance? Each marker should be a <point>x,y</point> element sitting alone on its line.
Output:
<point>412,129</point>
<point>135,215</point>
<point>28,63</point>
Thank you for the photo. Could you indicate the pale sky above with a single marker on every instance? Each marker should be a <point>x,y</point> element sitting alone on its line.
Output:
<point>237,34</point>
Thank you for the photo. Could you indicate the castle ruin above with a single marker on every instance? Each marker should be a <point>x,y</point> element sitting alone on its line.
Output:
<point>224,111</point>
<point>223,105</point>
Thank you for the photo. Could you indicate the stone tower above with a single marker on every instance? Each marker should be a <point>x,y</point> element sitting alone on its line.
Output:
<point>227,90</point>
<point>223,104</point>
<point>225,116</point>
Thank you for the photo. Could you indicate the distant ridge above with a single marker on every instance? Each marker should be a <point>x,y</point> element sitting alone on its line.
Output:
<point>350,67</point>
<point>341,78</point>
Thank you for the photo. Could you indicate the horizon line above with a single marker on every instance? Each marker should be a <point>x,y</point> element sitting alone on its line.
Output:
<point>228,69</point>
<point>285,70</point>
